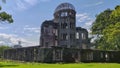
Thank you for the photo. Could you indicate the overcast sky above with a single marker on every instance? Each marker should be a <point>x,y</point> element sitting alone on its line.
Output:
<point>28,16</point>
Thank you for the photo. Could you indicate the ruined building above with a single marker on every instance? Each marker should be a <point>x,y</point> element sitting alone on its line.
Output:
<point>62,41</point>
<point>62,30</point>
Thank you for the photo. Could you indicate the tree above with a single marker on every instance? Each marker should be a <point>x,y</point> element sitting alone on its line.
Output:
<point>5,17</point>
<point>2,48</point>
<point>102,20</point>
<point>115,15</point>
<point>107,28</point>
<point>112,36</point>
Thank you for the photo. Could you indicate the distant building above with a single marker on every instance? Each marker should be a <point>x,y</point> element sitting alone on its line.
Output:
<point>62,30</point>
<point>18,45</point>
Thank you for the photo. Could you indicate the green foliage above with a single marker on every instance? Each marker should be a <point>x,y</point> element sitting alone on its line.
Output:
<point>107,25</point>
<point>112,36</point>
<point>2,48</point>
<point>102,20</point>
<point>5,17</point>
<point>115,16</point>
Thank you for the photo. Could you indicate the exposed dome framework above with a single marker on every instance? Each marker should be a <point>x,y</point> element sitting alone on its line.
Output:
<point>64,6</point>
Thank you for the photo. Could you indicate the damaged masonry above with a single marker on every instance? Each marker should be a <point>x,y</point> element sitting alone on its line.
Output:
<point>62,41</point>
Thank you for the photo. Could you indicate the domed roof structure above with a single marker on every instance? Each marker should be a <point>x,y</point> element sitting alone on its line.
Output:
<point>64,6</point>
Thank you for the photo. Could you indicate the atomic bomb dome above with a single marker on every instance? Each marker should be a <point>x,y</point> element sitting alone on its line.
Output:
<point>62,41</point>
<point>64,6</point>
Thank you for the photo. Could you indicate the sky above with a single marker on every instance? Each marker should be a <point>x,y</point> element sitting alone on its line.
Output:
<point>28,16</point>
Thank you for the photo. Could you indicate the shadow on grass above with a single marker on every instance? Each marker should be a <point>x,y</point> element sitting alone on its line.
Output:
<point>9,65</point>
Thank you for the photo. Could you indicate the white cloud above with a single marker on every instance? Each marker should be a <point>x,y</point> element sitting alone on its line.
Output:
<point>2,28</point>
<point>31,2</point>
<point>99,3</point>
<point>21,5</point>
<point>85,19</point>
<point>1,42</point>
<point>82,17</point>
<point>95,4</point>
<point>11,39</point>
<point>26,25</point>
<point>32,29</point>
<point>89,23</point>
<point>45,0</point>
<point>25,4</point>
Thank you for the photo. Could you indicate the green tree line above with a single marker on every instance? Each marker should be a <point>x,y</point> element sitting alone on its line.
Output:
<point>107,29</point>
<point>2,48</point>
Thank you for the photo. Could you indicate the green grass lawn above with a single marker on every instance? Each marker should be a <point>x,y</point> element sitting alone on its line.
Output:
<point>11,64</point>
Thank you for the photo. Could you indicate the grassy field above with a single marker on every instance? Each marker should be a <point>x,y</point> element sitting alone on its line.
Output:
<point>11,64</point>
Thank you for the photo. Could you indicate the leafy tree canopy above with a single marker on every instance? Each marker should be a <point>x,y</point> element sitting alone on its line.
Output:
<point>115,15</point>
<point>5,17</point>
<point>102,20</point>
<point>112,36</point>
<point>107,25</point>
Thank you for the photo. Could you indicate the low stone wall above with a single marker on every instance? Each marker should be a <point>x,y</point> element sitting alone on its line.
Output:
<point>58,54</point>
<point>88,55</point>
